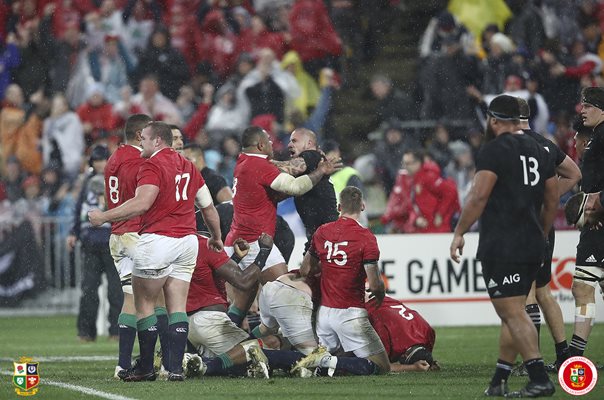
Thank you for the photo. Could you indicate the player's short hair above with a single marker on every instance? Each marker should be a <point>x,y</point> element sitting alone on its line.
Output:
<point>330,145</point>
<point>351,200</point>
<point>504,108</point>
<point>525,109</point>
<point>574,208</point>
<point>172,127</point>
<point>162,130</point>
<point>251,136</point>
<point>135,123</point>
<point>416,353</point>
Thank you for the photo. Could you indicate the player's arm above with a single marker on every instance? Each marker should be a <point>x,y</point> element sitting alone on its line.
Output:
<point>569,175</point>
<point>225,194</point>
<point>287,184</point>
<point>295,167</point>
<point>477,199</point>
<point>203,199</point>
<point>550,204</point>
<point>143,199</point>
<point>375,282</point>
<point>247,279</point>
<point>310,264</point>
<point>419,366</point>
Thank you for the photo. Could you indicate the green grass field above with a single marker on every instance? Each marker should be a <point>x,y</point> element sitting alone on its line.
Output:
<point>467,356</point>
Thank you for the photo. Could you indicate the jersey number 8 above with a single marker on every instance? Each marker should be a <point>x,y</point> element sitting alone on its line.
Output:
<point>114,193</point>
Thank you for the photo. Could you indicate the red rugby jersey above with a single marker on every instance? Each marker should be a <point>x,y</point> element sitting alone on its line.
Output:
<point>120,184</point>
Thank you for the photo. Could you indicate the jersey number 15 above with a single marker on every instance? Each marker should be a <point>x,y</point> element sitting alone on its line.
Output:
<point>334,251</point>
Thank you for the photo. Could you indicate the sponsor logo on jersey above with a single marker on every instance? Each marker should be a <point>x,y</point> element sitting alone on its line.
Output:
<point>591,259</point>
<point>508,280</point>
<point>492,283</point>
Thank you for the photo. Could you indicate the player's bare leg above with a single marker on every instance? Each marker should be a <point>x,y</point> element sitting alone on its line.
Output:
<point>523,334</point>
<point>555,322</point>
<point>585,307</point>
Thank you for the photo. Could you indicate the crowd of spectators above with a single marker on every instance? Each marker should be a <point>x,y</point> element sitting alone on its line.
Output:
<point>72,71</point>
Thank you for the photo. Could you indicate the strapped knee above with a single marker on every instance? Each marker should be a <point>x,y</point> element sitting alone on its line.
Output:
<point>585,311</point>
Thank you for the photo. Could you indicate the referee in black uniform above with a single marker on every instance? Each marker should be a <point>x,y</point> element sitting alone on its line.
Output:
<point>540,295</point>
<point>513,182</point>
<point>590,250</point>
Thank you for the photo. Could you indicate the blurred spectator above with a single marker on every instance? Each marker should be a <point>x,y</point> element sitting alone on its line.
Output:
<point>219,45</point>
<point>347,176</point>
<point>139,16</point>
<point>230,148</point>
<point>32,74</point>
<point>9,60</point>
<point>526,29</point>
<point>485,40</point>
<point>27,146</point>
<point>461,168</point>
<point>257,37</point>
<point>13,180</point>
<point>435,202</point>
<point>199,118</point>
<point>328,83</point>
<point>95,246</point>
<point>149,100</point>
<point>346,17</point>
<point>186,102</point>
<point>63,52</point>
<point>396,216</point>
<point>96,114</point>
<point>167,63</point>
<point>445,28</point>
<point>389,153</point>
<point>111,67</point>
<point>12,117</point>
<point>313,36</point>
<point>499,64</point>
<point>63,138</point>
<point>393,103</point>
<point>227,115</point>
<point>106,20</point>
<point>309,87</point>
<point>443,83</point>
<point>267,77</point>
<point>439,147</point>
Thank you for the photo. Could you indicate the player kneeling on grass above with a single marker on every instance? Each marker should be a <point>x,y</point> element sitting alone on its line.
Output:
<point>211,331</point>
<point>407,337</point>
<point>346,254</point>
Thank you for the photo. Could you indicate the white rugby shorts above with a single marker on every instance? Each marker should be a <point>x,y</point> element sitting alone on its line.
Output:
<point>158,256</point>
<point>349,329</point>
<point>288,308</point>
<point>213,333</point>
<point>275,257</point>
<point>122,249</point>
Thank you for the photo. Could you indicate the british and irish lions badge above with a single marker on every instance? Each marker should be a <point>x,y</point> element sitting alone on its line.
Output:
<point>26,377</point>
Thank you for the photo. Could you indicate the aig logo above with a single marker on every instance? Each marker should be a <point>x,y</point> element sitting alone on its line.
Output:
<point>511,279</point>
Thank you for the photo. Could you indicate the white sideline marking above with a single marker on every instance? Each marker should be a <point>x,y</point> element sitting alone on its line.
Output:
<point>81,389</point>
<point>64,358</point>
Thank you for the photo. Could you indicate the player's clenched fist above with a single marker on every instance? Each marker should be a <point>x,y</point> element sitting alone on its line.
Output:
<point>241,247</point>
<point>265,241</point>
<point>96,217</point>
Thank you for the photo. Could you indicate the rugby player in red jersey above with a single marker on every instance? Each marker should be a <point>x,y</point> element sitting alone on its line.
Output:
<point>166,253</point>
